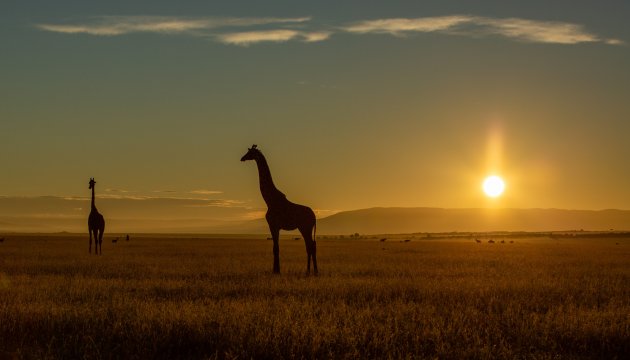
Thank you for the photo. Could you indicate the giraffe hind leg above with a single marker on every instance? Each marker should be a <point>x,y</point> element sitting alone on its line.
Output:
<point>310,250</point>
<point>100,240</point>
<point>314,255</point>
<point>95,233</point>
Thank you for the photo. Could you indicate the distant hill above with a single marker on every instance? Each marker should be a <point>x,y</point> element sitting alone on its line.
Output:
<point>203,216</point>
<point>410,220</point>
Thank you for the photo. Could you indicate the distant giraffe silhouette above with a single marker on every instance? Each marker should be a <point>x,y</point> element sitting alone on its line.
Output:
<point>96,224</point>
<point>283,214</point>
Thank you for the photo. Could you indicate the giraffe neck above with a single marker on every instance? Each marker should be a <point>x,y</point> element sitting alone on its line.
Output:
<point>267,188</point>
<point>93,206</point>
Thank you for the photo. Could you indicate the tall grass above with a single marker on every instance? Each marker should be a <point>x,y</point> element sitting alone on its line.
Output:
<point>217,298</point>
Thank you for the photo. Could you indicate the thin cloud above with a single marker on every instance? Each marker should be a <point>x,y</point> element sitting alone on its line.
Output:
<point>322,213</point>
<point>117,190</point>
<point>74,198</point>
<point>206,192</point>
<point>614,42</point>
<point>202,202</point>
<point>225,203</point>
<point>552,32</point>
<point>246,38</point>
<point>316,36</point>
<point>247,31</point>
<point>125,25</point>
<point>120,25</point>
<point>255,215</point>
<point>402,26</point>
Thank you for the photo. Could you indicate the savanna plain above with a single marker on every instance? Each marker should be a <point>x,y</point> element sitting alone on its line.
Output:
<point>216,297</point>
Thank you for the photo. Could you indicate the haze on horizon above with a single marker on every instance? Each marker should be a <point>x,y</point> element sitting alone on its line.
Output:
<point>355,105</point>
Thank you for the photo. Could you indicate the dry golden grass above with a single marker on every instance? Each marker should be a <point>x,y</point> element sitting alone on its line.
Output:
<point>166,297</point>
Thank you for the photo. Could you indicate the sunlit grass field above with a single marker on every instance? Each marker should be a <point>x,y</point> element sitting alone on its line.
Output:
<point>185,297</point>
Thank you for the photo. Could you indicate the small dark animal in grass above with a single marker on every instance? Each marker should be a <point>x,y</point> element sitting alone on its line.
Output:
<point>282,214</point>
<point>511,241</point>
<point>478,241</point>
<point>1,239</point>
<point>502,241</point>
<point>407,240</point>
<point>383,239</point>
<point>114,240</point>
<point>127,237</point>
<point>296,238</point>
<point>490,241</point>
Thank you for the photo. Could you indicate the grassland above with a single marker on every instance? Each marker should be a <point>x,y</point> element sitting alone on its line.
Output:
<point>169,297</point>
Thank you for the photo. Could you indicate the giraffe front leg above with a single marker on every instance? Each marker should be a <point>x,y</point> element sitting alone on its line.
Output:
<point>275,233</point>
<point>90,248</point>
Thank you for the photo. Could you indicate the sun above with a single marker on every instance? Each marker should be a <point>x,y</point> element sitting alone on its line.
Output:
<point>493,186</point>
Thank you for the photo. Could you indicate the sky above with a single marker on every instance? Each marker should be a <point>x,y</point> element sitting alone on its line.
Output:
<point>355,104</point>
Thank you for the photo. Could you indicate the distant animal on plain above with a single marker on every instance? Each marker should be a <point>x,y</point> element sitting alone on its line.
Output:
<point>478,241</point>
<point>511,241</point>
<point>1,239</point>
<point>490,241</point>
<point>283,214</point>
<point>127,237</point>
<point>115,240</point>
<point>383,239</point>
<point>407,240</point>
<point>296,238</point>
<point>502,241</point>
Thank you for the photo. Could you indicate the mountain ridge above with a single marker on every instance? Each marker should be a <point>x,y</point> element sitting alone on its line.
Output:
<point>382,220</point>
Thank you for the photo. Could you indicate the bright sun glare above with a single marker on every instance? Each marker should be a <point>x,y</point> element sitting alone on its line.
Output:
<point>493,186</point>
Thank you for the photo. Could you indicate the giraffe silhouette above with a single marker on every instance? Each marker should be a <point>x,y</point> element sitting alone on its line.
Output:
<point>96,224</point>
<point>283,214</point>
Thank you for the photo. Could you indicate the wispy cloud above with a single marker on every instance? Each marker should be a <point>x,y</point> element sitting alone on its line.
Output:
<point>246,38</point>
<point>219,203</point>
<point>541,31</point>
<point>401,26</point>
<point>316,36</point>
<point>206,192</point>
<point>138,197</point>
<point>552,32</point>
<point>247,31</point>
<point>117,190</point>
<point>120,25</point>
<point>123,213</point>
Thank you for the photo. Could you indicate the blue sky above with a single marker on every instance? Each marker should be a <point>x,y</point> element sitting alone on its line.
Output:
<point>355,103</point>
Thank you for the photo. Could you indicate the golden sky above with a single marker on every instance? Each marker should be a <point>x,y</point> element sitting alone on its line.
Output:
<point>355,105</point>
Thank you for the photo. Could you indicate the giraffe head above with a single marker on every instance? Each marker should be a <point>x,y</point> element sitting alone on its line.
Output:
<point>252,154</point>
<point>92,182</point>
